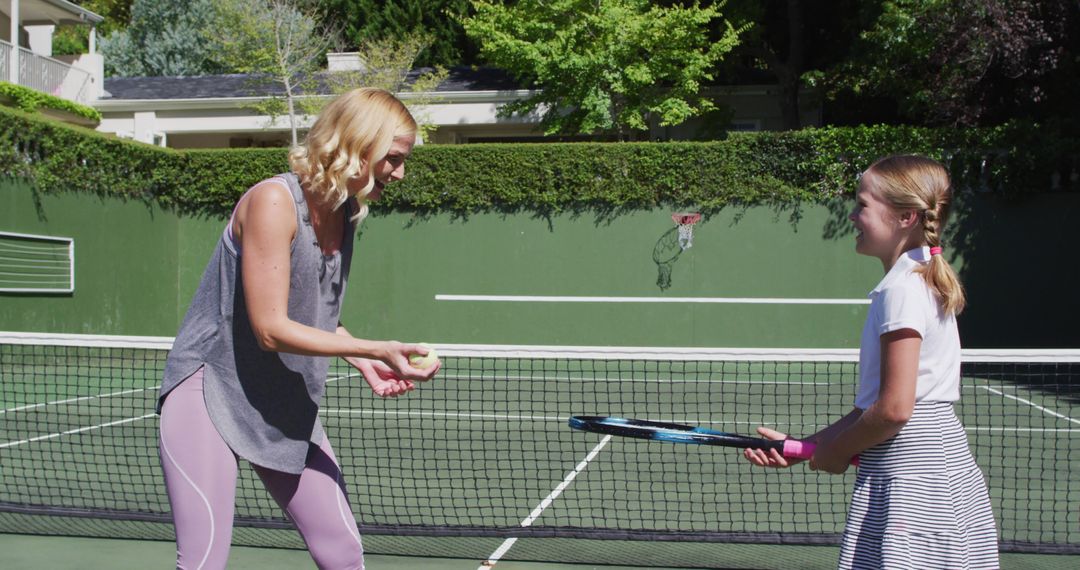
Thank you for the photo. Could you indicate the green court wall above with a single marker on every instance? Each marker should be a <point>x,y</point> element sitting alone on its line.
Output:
<point>137,266</point>
<point>126,264</point>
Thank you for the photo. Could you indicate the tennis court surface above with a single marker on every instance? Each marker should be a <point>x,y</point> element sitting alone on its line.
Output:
<point>480,463</point>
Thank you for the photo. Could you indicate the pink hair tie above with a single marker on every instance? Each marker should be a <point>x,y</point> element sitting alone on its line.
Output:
<point>935,251</point>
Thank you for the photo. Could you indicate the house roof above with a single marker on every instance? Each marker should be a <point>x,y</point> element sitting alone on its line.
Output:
<point>37,12</point>
<point>243,85</point>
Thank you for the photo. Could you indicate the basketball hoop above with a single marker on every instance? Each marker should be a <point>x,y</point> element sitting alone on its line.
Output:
<point>686,221</point>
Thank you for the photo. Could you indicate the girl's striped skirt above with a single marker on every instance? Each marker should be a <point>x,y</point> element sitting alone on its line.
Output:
<point>920,500</point>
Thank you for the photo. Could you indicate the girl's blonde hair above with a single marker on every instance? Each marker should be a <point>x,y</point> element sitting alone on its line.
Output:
<point>909,182</point>
<point>351,133</point>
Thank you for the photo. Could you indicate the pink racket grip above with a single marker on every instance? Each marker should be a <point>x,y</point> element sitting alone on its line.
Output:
<point>799,449</point>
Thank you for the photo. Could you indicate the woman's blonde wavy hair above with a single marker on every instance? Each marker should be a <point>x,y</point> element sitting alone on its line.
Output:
<point>351,133</point>
<point>910,182</point>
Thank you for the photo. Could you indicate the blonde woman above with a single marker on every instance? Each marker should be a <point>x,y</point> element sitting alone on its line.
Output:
<point>920,501</point>
<point>248,369</point>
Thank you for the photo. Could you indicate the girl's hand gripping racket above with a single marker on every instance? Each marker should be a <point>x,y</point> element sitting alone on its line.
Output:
<point>678,433</point>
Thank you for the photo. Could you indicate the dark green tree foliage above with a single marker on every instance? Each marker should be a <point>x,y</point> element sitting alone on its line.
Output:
<point>967,62</point>
<point>164,38</point>
<point>373,20</point>
<point>786,39</point>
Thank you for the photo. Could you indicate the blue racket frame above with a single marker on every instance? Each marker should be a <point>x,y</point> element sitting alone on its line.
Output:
<point>679,433</point>
<point>669,432</point>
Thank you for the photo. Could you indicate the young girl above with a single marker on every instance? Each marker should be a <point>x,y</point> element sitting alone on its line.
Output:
<point>919,499</point>
<point>248,369</point>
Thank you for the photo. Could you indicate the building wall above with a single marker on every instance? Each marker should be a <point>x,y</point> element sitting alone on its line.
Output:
<point>460,117</point>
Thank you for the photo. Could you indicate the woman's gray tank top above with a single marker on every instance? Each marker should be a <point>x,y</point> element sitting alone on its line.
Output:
<point>264,404</point>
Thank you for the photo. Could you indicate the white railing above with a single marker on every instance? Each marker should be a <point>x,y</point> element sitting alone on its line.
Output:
<point>46,74</point>
<point>5,60</point>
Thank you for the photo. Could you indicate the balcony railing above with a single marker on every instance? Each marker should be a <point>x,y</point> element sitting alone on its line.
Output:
<point>46,74</point>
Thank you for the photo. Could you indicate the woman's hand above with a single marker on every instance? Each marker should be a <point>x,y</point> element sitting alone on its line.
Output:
<point>770,457</point>
<point>396,355</point>
<point>383,381</point>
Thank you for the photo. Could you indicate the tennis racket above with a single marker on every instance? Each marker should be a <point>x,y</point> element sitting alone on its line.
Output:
<point>678,433</point>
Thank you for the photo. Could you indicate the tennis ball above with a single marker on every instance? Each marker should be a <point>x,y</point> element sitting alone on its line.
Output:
<point>423,362</point>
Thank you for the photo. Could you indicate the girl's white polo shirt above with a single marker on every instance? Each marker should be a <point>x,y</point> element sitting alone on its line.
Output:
<point>903,300</point>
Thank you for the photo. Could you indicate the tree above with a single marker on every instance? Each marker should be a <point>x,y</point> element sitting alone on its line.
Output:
<point>276,42</point>
<point>74,39</point>
<point>376,20</point>
<point>789,41</point>
<point>282,43</point>
<point>610,66</point>
<point>964,62</point>
<point>388,64</point>
<point>163,38</point>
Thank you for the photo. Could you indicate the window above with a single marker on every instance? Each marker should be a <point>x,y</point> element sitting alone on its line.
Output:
<point>36,264</point>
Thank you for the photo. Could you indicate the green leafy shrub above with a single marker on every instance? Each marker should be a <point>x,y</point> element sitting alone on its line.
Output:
<point>31,100</point>
<point>777,168</point>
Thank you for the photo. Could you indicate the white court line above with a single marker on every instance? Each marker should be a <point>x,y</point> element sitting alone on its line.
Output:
<point>1024,430</point>
<point>1032,404</point>
<point>114,394</point>
<point>606,353</point>
<point>72,400</point>
<point>470,415</point>
<point>78,430</point>
<point>693,421</point>
<point>89,428</point>
<point>461,377</point>
<point>536,512</point>
<point>599,299</point>
<point>473,415</point>
<point>488,375</point>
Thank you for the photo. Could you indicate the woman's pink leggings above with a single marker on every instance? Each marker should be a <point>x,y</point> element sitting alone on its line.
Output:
<point>200,476</point>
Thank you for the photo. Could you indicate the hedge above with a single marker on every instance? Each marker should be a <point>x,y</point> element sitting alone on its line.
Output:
<point>745,169</point>
<point>31,100</point>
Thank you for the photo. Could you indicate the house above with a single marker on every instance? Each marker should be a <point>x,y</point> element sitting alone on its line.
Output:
<point>216,112</point>
<point>26,28</point>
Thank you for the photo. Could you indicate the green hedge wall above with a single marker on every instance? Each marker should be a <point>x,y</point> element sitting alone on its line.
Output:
<point>31,100</point>
<point>745,169</point>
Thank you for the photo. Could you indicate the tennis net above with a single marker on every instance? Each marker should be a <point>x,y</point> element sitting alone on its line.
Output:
<point>484,450</point>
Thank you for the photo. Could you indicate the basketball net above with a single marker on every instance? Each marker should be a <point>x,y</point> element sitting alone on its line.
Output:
<point>686,222</point>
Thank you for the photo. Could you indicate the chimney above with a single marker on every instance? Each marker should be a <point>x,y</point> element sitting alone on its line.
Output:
<point>345,61</point>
